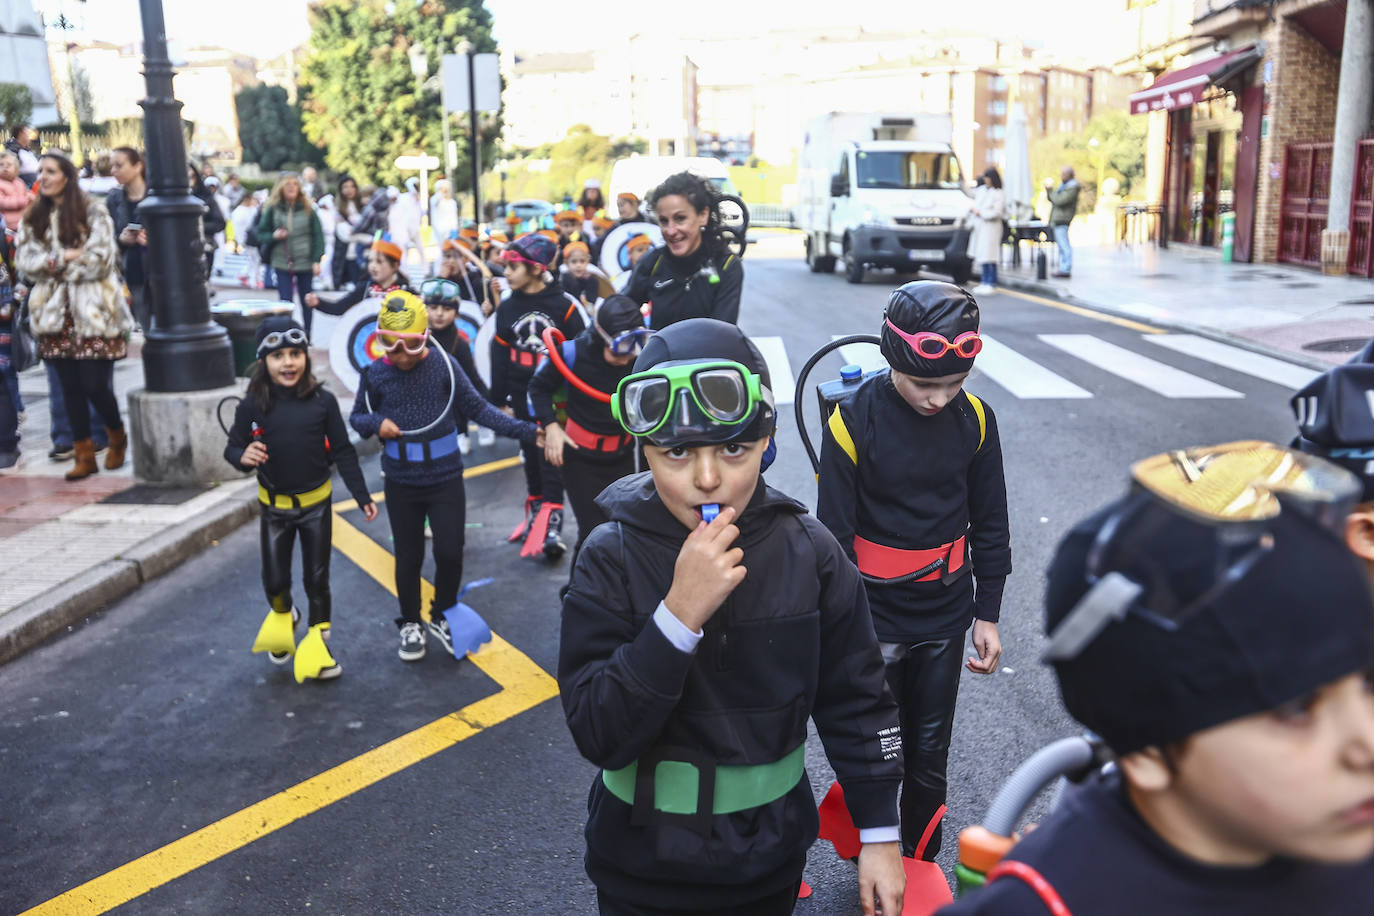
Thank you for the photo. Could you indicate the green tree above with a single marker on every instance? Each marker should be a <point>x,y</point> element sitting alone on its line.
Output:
<point>16,104</point>
<point>1119,154</point>
<point>364,105</point>
<point>269,127</point>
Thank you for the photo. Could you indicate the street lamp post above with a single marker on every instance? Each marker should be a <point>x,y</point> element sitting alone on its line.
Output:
<point>188,365</point>
<point>466,49</point>
<point>419,65</point>
<point>184,349</point>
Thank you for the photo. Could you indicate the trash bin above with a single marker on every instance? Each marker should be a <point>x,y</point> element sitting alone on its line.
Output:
<point>241,317</point>
<point>1228,237</point>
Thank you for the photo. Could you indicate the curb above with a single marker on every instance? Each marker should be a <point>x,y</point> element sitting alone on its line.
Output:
<point>1050,291</point>
<point>68,603</point>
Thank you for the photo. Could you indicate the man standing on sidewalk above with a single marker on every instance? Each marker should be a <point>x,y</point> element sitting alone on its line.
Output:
<point>1064,200</point>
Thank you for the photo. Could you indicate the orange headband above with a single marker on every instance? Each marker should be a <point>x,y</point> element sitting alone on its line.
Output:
<point>576,246</point>
<point>627,195</point>
<point>568,214</point>
<point>390,249</point>
<point>639,241</point>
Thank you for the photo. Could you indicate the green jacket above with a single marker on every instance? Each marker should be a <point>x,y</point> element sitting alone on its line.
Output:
<point>1065,203</point>
<point>299,250</point>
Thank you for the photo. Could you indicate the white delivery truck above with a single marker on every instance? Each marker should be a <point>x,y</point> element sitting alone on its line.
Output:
<point>882,190</point>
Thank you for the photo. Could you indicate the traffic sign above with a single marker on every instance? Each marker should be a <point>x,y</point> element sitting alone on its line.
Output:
<point>486,77</point>
<point>414,163</point>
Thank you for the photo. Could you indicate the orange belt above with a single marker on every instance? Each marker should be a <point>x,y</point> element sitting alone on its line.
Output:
<point>891,562</point>
<point>585,438</point>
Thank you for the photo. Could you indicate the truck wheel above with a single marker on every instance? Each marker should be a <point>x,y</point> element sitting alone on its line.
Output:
<point>853,267</point>
<point>811,257</point>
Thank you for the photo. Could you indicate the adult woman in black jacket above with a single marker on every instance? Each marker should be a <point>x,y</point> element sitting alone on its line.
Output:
<point>692,274</point>
<point>212,221</point>
<point>127,166</point>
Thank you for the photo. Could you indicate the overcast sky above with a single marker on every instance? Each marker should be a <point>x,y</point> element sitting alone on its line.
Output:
<point>265,28</point>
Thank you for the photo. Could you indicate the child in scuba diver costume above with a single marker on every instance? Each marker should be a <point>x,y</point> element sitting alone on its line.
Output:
<point>409,399</point>
<point>288,428</point>
<point>588,446</point>
<point>384,276</point>
<point>517,349</point>
<point>703,626</point>
<point>911,485</point>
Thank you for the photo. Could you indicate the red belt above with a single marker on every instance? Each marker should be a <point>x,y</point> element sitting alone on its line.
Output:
<point>585,438</point>
<point>891,562</point>
<point>525,357</point>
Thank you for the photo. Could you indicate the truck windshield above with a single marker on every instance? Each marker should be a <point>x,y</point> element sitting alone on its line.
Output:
<point>908,171</point>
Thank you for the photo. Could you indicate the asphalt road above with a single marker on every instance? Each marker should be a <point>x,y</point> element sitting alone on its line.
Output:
<point>440,786</point>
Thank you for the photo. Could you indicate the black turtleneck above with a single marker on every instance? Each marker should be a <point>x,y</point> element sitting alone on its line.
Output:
<point>304,436</point>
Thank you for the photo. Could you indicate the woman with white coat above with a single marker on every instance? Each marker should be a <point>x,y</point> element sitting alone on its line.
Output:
<point>985,243</point>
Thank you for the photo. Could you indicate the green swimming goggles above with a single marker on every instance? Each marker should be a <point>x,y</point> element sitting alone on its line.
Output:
<point>682,402</point>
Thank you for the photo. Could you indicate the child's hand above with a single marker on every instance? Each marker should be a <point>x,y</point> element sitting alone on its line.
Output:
<point>312,300</point>
<point>388,430</point>
<point>508,411</point>
<point>882,880</point>
<point>988,646</point>
<point>254,455</point>
<point>370,512</point>
<point>706,572</point>
<point>541,440</point>
<point>554,440</point>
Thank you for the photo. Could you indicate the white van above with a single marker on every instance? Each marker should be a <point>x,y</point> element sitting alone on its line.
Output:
<point>879,190</point>
<point>641,174</point>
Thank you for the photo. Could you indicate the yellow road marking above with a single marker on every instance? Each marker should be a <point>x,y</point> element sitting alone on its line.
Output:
<point>1086,313</point>
<point>524,685</point>
<point>347,505</point>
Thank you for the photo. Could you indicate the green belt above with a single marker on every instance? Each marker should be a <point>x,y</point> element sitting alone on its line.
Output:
<point>737,788</point>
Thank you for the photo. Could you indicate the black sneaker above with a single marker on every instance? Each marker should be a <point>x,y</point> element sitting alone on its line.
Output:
<point>62,452</point>
<point>412,642</point>
<point>10,462</point>
<point>439,628</point>
<point>281,658</point>
<point>554,548</point>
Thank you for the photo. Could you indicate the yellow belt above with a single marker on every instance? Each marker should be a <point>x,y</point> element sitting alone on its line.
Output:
<point>294,500</point>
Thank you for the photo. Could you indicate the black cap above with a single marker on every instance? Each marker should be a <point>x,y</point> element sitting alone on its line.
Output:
<point>934,306</point>
<point>1301,617</point>
<point>703,339</point>
<point>618,314</point>
<point>274,324</point>
<point>1335,414</point>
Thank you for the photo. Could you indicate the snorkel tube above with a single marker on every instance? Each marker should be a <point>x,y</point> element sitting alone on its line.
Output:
<point>799,399</point>
<point>553,343</point>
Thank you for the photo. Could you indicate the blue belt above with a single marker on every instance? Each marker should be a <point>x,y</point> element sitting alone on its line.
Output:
<point>416,452</point>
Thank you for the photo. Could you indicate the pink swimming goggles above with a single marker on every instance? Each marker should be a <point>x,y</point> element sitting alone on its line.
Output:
<point>930,345</point>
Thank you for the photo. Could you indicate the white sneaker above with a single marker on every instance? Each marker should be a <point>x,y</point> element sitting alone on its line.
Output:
<point>486,437</point>
<point>464,446</point>
<point>983,289</point>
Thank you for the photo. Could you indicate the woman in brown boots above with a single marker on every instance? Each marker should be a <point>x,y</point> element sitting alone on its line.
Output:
<point>77,308</point>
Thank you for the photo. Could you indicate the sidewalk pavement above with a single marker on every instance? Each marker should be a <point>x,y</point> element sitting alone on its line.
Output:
<point>1291,312</point>
<point>70,548</point>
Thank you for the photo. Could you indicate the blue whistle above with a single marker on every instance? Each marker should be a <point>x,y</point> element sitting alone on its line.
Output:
<point>709,512</point>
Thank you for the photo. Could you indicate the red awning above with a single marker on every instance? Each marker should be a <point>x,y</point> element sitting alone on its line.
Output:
<point>1183,88</point>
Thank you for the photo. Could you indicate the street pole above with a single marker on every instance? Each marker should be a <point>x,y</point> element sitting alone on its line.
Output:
<point>184,350</point>
<point>475,149</point>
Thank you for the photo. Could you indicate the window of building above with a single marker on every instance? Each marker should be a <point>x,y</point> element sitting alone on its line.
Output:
<point>997,83</point>
<point>997,131</point>
<point>997,108</point>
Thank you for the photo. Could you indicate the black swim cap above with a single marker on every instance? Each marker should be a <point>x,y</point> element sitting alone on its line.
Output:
<point>1300,617</point>
<point>618,314</point>
<point>928,305</point>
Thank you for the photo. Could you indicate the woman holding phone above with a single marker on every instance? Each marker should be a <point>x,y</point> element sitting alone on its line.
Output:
<point>126,165</point>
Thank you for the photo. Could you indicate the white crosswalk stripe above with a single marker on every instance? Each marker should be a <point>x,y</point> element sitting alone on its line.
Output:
<point>1021,376</point>
<point>1268,368</point>
<point>866,356</point>
<point>779,370</point>
<point>1151,374</point>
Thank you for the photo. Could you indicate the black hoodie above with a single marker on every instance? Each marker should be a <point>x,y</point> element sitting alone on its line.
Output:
<point>681,288</point>
<point>793,641</point>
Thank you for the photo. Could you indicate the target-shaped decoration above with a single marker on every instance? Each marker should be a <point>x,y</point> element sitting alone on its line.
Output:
<point>354,345</point>
<point>615,259</point>
<point>469,322</point>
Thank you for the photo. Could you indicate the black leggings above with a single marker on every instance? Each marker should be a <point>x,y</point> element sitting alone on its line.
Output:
<point>407,507</point>
<point>88,383</point>
<point>541,478</point>
<point>278,532</point>
<point>584,479</point>
<point>926,683</point>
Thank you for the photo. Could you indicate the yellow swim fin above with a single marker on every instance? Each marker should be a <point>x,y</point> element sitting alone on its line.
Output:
<point>277,634</point>
<point>313,658</point>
